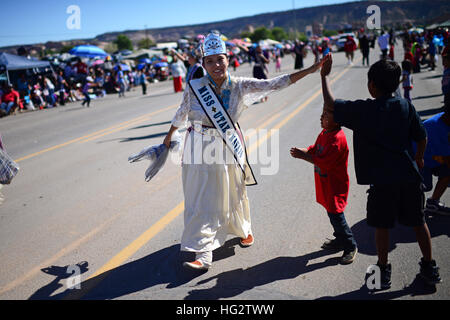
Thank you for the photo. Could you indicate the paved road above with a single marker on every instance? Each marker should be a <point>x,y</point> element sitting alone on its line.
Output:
<point>77,199</point>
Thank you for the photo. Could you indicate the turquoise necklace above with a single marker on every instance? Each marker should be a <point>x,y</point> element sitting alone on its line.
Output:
<point>224,94</point>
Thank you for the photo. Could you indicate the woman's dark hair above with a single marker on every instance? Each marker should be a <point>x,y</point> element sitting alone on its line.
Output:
<point>385,75</point>
<point>407,66</point>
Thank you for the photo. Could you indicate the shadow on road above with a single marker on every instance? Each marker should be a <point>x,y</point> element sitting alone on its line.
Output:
<point>430,112</point>
<point>427,97</point>
<point>151,136</point>
<point>163,267</point>
<point>234,282</point>
<point>416,288</point>
<point>60,273</point>
<point>365,235</point>
<point>150,125</point>
<point>432,77</point>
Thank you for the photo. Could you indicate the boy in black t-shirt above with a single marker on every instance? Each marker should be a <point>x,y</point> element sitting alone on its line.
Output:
<point>383,131</point>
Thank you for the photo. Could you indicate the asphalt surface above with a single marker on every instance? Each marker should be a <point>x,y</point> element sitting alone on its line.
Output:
<point>77,200</point>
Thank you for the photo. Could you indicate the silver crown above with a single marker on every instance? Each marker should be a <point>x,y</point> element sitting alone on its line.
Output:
<point>213,44</point>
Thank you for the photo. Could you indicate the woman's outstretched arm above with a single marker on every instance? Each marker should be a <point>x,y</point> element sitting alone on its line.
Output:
<point>302,73</point>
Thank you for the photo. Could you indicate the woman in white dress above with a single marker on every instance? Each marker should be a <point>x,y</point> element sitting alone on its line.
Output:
<point>216,203</point>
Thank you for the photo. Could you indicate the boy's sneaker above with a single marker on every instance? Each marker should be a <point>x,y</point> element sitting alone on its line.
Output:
<point>435,206</point>
<point>349,256</point>
<point>429,272</point>
<point>333,244</point>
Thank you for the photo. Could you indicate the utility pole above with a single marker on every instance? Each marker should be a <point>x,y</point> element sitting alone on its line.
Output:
<point>295,19</point>
<point>146,36</point>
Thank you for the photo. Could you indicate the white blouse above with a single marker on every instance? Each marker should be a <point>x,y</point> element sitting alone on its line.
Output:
<point>243,93</point>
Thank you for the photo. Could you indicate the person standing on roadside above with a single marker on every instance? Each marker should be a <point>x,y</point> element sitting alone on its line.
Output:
<point>260,70</point>
<point>121,81</point>
<point>365,49</point>
<point>383,42</point>
<point>143,81</point>
<point>178,71</point>
<point>61,84</point>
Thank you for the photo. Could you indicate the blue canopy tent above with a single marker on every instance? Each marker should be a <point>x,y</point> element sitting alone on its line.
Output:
<point>124,67</point>
<point>11,62</point>
<point>161,64</point>
<point>88,51</point>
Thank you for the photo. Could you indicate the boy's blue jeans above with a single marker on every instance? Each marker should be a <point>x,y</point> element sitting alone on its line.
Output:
<point>342,231</point>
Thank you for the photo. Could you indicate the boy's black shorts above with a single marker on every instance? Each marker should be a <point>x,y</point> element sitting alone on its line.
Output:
<point>402,202</point>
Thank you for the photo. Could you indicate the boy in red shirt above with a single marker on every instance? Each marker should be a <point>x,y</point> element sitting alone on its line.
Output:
<point>330,158</point>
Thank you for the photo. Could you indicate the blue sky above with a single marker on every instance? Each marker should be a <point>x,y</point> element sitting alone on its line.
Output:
<point>31,21</point>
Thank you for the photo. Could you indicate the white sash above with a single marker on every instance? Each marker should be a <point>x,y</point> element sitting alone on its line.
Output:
<point>219,117</point>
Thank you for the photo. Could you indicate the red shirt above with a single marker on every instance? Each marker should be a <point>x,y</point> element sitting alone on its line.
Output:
<point>330,157</point>
<point>350,45</point>
<point>81,68</point>
<point>11,96</point>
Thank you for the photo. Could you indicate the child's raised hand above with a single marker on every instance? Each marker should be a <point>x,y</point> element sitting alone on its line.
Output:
<point>327,62</point>
<point>297,153</point>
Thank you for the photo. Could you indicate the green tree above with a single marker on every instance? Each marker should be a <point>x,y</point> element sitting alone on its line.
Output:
<point>279,34</point>
<point>111,47</point>
<point>246,34</point>
<point>65,49</point>
<point>123,42</point>
<point>145,43</point>
<point>329,33</point>
<point>298,36</point>
<point>261,33</point>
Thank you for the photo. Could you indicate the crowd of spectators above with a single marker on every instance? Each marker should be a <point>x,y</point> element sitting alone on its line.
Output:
<point>423,48</point>
<point>33,91</point>
<point>68,82</point>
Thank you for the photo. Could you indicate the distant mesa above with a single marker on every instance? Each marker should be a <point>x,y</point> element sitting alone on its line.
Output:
<point>330,17</point>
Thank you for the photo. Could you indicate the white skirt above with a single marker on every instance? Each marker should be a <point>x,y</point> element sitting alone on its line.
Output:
<point>215,195</point>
